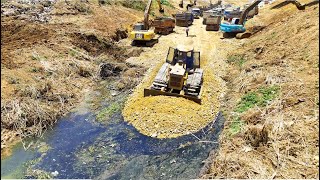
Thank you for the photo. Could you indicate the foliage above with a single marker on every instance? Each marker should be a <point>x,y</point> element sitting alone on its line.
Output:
<point>239,60</point>
<point>236,126</point>
<point>260,98</point>
<point>134,4</point>
<point>109,111</point>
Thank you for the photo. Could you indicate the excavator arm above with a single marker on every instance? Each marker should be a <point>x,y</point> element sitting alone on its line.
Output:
<point>147,11</point>
<point>161,10</point>
<point>191,3</point>
<point>245,12</point>
<point>256,2</point>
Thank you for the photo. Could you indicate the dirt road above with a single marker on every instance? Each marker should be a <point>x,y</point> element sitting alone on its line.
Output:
<point>167,117</point>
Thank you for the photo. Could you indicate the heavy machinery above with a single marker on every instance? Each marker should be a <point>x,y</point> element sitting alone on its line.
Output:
<point>196,13</point>
<point>184,19</point>
<point>236,26</point>
<point>191,4</point>
<point>210,7</point>
<point>213,22</point>
<point>218,11</point>
<point>179,76</point>
<point>163,25</point>
<point>141,34</point>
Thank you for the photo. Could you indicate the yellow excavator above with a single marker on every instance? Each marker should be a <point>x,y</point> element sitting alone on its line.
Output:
<point>141,34</point>
<point>191,4</point>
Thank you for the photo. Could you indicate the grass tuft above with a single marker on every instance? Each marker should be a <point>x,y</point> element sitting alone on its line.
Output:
<point>261,98</point>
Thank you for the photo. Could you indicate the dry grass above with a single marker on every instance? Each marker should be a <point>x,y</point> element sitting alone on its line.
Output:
<point>47,66</point>
<point>279,139</point>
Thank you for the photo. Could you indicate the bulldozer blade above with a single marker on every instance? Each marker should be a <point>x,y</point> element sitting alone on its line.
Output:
<point>151,92</point>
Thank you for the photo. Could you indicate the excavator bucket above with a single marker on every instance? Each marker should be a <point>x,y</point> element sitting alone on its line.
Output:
<point>152,92</point>
<point>243,35</point>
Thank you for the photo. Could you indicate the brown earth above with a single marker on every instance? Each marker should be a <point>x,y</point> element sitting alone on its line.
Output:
<point>51,59</point>
<point>280,139</point>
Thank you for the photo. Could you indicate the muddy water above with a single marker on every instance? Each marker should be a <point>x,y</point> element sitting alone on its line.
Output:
<point>80,146</point>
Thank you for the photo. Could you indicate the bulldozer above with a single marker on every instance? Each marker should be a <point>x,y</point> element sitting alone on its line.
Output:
<point>179,76</point>
<point>141,34</point>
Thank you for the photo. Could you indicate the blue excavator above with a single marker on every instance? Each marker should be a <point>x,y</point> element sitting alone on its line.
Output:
<point>236,26</point>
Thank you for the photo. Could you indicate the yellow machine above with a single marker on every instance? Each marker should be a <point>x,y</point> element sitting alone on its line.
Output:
<point>179,76</point>
<point>141,34</point>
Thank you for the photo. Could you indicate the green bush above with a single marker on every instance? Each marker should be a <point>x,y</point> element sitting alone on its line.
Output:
<point>260,98</point>
<point>134,4</point>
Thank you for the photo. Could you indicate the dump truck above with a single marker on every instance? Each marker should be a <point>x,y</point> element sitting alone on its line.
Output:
<point>196,13</point>
<point>213,23</point>
<point>184,19</point>
<point>164,25</point>
<point>179,76</point>
<point>216,11</point>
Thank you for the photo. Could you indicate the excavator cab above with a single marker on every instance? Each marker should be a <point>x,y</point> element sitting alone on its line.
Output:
<point>139,27</point>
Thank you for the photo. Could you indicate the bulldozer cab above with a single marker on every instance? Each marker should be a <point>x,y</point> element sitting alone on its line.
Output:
<point>190,58</point>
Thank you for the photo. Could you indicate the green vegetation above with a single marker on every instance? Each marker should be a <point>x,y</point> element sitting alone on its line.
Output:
<point>260,98</point>
<point>268,94</point>
<point>109,111</point>
<point>134,4</point>
<point>166,3</point>
<point>236,126</point>
<point>239,60</point>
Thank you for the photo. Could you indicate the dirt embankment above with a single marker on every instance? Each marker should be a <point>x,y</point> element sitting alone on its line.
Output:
<point>50,55</point>
<point>272,103</point>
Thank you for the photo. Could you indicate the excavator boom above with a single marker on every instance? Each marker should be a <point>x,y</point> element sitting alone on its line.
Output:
<point>245,12</point>
<point>191,3</point>
<point>147,11</point>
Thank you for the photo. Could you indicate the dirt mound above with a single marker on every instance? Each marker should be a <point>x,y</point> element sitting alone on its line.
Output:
<point>21,35</point>
<point>271,130</point>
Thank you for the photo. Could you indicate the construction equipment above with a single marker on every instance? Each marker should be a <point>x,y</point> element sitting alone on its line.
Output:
<point>252,12</point>
<point>218,11</point>
<point>179,76</point>
<point>184,19</point>
<point>236,26</point>
<point>164,25</point>
<point>196,13</point>
<point>141,34</point>
<point>210,7</point>
<point>191,4</point>
<point>213,22</point>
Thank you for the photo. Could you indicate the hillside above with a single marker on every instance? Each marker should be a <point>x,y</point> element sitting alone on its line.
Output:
<point>273,99</point>
<point>50,56</point>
